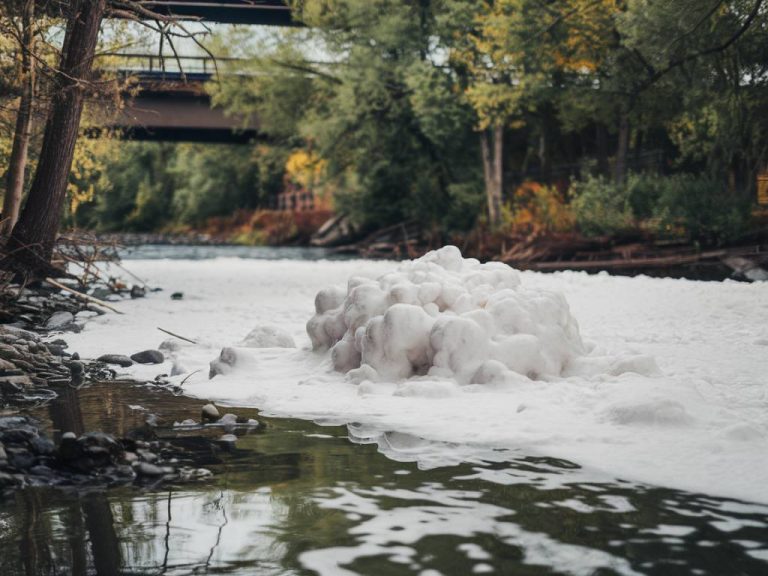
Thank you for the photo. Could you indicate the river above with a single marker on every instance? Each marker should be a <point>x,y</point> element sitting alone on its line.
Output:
<point>325,495</point>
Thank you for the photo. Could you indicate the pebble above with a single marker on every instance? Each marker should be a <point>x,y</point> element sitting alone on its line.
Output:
<point>228,420</point>
<point>148,357</point>
<point>138,291</point>
<point>147,469</point>
<point>209,413</point>
<point>228,438</point>
<point>59,320</point>
<point>119,359</point>
<point>177,295</point>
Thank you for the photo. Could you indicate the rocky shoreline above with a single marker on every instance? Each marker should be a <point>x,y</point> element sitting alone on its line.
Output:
<point>36,368</point>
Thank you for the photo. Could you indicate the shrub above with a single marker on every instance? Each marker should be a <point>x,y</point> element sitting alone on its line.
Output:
<point>538,208</point>
<point>701,208</point>
<point>600,206</point>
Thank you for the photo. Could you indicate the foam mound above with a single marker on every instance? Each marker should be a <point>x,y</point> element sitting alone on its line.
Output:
<point>445,316</point>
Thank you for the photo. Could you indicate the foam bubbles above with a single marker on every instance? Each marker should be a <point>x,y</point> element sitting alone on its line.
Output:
<point>445,316</point>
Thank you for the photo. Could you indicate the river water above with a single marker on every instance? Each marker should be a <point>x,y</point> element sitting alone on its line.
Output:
<point>330,498</point>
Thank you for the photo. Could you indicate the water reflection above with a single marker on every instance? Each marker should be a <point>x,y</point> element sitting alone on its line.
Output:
<point>188,252</point>
<point>298,498</point>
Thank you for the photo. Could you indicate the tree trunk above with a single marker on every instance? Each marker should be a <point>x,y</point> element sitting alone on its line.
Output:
<point>14,187</point>
<point>31,243</point>
<point>601,134</point>
<point>620,169</point>
<point>492,144</point>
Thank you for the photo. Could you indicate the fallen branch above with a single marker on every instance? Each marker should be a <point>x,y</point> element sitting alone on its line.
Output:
<point>82,296</point>
<point>176,335</point>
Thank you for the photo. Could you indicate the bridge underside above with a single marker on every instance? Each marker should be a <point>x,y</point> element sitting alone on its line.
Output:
<point>177,118</point>
<point>265,12</point>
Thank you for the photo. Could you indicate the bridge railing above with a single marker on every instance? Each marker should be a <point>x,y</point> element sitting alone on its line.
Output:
<point>159,65</point>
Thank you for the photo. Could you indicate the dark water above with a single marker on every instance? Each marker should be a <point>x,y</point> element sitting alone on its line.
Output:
<point>186,252</point>
<point>299,498</point>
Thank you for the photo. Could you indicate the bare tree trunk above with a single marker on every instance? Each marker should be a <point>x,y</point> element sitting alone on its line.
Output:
<point>492,144</point>
<point>14,187</point>
<point>33,237</point>
<point>620,170</point>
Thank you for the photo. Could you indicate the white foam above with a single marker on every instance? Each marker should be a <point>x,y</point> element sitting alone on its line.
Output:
<point>698,422</point>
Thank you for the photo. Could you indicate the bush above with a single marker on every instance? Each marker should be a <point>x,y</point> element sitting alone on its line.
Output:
<point>701,208</point>
<point>539,209</point>
<point>600,206</point>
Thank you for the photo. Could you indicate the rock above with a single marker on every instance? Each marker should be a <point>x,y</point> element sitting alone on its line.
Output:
<point>148,357</point>
<point>21,458</point>
<point>118,359</point>
<point>185,423</point>
<point>177,369</point>
<point>42,470</point>
<point>228,420</point>
<point>268,337</point>
<point>14,383</point>
<point>102,293</point>
<point>177,295</point>
<point>59,320</point>
<point>7,480</point>
<point>8,422</point>
<point>18,435</point>
<point>228,359</point>
<point>17,332</point>
<point>130,457</point>
<point>228,438</point>
<point>209,413</point>
<point>138,291</point>
<point>75,356</point>
<point>76,368</point>
<point>56,349</point>
<point>146,455</point>
<point>7,367</point>
<point>42,446</point>
<point>170,345</point>
<point>147,469</point>
<point>3,455</point>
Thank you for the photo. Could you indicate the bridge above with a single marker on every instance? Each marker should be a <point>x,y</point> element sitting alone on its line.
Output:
<point>171,103</point>
<point>167,101</point>
<point>264,12</point>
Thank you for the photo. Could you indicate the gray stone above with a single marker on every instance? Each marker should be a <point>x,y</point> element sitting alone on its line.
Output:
<point>228,420</point>
<point>17,332</point>
<point>228,438</point>
<point>59,320</point>
<point>118,359</point>
<point>6,480</point>
<point>42,446</point>
<point>148,357</point>
<point>138,291</point>
<point>170,344</point>
<point>18,380</point>
<point>76,368</point>
<point>130,457</point>
<point>147,469</point>
<point>209,413</point>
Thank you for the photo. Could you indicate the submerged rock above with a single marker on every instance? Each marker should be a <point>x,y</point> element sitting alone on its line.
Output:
<point>209,413</point>
<point>119,359</point>
<point>148,357</point>
<point>228,359</point>
<point>268,337</point>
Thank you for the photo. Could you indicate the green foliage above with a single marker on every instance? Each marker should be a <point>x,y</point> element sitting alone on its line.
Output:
<point>600,206</point>
<point>701,208</point>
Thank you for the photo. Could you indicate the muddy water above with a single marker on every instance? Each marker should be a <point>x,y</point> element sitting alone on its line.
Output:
<point>294,497</point>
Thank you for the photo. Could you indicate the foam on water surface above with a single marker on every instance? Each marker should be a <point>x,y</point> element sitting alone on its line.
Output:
<point>661,381</point>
